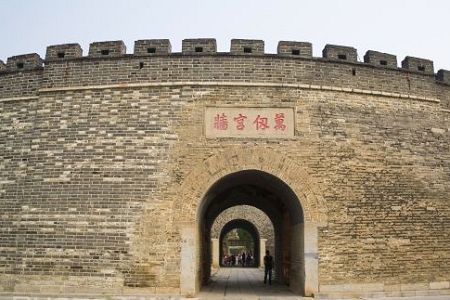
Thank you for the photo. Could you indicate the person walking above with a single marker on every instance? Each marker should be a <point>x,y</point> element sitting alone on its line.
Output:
<point>268,266</point>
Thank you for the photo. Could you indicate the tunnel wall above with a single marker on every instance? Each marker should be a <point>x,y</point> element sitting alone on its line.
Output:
<point>93,148</point>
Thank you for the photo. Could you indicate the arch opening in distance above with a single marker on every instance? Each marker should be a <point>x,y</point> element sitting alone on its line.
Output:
<point>277,200</point>
<point>251,229</point>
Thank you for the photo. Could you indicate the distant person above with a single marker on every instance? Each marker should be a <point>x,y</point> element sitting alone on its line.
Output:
<point>243,259</point>
<point>249,259</point>
<point>268,266</point>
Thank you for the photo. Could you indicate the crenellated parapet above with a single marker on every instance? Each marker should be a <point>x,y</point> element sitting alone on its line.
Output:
<point>335,58</point>
<point>292,49</point>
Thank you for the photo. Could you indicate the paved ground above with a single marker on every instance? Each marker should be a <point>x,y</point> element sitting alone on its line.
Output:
<point>244,283</point>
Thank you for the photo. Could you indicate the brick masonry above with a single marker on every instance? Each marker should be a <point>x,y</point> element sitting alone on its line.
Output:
<point>94,152</point>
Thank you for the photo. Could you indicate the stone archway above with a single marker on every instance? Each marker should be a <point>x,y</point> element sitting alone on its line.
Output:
<point>250,228</point>
<point>255,216</point>
<point>197,184</point>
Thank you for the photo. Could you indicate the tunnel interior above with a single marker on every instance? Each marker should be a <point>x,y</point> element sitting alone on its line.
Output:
<point>276,199</point>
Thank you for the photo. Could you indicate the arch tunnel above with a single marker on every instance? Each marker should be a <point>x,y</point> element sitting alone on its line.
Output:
<point>272,196</point>
<point>247,226</point>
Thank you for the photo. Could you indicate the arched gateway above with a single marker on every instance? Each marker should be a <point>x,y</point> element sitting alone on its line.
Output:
<point>250,228</point>
<point>292,205</point>
<point>259,224</point>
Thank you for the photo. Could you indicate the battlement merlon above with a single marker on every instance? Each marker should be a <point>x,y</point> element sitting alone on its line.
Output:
<point>246,47</point>
<point>380,59</point>
<point>107,49</point>
<point>295,49</point>
<point>199,46</point>
<point>2,66</point>
<point>24,62</point>
<point>343,53</point>
<point>418,65</point>
<point>443,76</point>
<point>152,47</point>
<point>63,51</point>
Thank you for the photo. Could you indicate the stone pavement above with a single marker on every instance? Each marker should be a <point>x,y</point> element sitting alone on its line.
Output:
<point>244,283</point>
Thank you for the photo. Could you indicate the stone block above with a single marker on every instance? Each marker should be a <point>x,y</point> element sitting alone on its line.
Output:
<point>247,47</point>
<point>64,51</point>
<point>414,286</point>
<point>24,62</point>
<point>2,66</point>
<point>418,65</point>
<point>152,47</point>
<point>380,59</point>
<point>295,49</point>
<point>343,53</point>
<point>353,288</point>
<point>107,49</point>
<point>392,287</point>
<point>199,46</point>
<point>439,285</point>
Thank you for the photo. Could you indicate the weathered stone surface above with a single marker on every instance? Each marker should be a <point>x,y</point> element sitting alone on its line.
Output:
<point>104,164</point>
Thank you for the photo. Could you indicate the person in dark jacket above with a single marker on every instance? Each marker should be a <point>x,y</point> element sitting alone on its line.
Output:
<point>268,266</point>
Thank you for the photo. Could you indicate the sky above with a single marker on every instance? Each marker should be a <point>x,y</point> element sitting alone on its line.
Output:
<point>419,28</point>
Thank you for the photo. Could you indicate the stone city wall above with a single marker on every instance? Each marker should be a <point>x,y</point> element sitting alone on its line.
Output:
<point>93,150</point>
